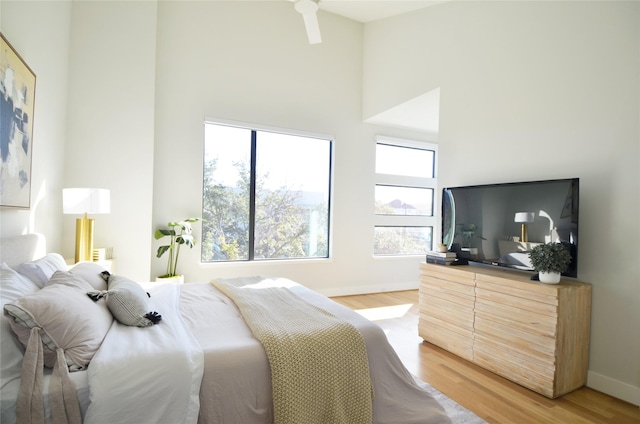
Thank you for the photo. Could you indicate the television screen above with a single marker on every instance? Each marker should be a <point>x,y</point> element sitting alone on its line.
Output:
<point>498,224</point>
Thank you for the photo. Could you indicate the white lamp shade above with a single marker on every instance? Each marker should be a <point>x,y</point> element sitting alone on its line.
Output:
<point>85,200</point>
<point>525,217</point>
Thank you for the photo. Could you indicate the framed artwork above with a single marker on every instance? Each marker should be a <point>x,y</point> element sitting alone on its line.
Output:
<point>17,97</point>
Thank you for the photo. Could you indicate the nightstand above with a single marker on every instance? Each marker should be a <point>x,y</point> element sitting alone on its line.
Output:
<point>107,264</point>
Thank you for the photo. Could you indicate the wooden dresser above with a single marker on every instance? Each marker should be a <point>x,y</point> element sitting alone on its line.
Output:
<point>534,334</point>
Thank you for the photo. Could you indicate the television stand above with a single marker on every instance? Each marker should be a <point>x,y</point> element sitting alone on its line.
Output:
<point>534,334</point>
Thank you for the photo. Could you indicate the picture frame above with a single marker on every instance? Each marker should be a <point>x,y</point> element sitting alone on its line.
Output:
<point>17,94</point>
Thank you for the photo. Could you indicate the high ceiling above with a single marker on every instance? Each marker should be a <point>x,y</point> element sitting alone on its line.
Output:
<point>372,10</point>
<point>421,113</point>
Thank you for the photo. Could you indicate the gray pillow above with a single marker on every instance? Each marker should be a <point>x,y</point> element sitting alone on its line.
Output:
<point>91,273</point>
<point>67,317</point>
<point>127,301</point>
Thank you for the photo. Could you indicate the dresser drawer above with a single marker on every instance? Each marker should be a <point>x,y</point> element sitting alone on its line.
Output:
<point>451,338</point>
<point>459,323</point>
<point>448,312</point>
<point>482,294</point>
<point>448,273</point>
<point>428,292</point>
<point>534,334</point>
<point>517,369</point>
<point>436,283</point>
<point>543,293</point>
<point>532,322</point>
<point>516,340</point>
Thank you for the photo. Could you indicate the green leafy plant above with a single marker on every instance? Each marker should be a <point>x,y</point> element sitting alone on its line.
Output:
<point>179,233</point>
<point>468,233</point>
<point>550,257</point>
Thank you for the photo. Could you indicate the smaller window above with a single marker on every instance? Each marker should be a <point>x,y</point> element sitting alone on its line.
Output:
<point>402,240</point>
<point>406,161</point>
<point>398,200</point>
<point>404,197</point>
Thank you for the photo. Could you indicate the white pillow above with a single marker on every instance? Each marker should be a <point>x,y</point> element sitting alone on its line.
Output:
<point>69,319</point>
<point>41,270</point>
<point>127,301</point>
<point>12,287</point>
<point>90,272</point>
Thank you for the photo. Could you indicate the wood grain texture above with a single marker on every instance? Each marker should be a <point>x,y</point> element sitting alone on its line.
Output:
<point>534,334</point>
<point>495,399</point>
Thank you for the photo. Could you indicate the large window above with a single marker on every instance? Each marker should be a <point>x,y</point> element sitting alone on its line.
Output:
<point>266,195</point>
<point>404,197</point>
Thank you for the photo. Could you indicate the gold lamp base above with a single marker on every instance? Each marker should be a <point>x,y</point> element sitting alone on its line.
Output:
<point>524,236</point>
<point>84,239</point>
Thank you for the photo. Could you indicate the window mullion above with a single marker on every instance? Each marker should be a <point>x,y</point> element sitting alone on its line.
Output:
<point>252,195</point>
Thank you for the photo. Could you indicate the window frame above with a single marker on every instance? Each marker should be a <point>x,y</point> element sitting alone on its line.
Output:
<point>254,129</point>
<point>385,220</point>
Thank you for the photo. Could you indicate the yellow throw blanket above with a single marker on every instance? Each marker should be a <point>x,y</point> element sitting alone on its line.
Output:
<point>319,365</point>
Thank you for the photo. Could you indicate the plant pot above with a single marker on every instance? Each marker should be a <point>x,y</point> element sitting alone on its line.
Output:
<point>442,248</point>
<point>549,277</point>
<point>176,279</point>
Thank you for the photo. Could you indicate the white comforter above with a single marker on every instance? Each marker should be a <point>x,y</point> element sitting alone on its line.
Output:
<point>236,386</point>
<point>202,364</point>
<point>147,375</point>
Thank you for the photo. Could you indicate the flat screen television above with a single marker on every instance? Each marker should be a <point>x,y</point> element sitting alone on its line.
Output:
<point>497,224</point>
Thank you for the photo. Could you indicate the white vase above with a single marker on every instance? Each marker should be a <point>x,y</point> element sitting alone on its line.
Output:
<point>442,248</point>
<point>549,277</point>
<point>177,279</point>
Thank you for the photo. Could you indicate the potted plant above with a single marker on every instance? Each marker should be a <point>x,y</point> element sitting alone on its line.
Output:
<point>467,233</point>
<point>179,233</point>
<point>550,260</point>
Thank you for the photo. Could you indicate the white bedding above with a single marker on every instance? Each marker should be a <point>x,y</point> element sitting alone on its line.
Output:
<point>9,394</point>
<point>134,379</point>
<point>236,387</point>
<point>147,374</point>
<point>202,363</point>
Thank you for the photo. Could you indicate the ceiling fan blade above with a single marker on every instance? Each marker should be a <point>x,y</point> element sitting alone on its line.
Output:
<point>308,9</point>
<point>313,30</point>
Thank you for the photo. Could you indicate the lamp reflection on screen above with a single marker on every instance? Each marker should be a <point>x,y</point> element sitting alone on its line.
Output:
<point>84,201</point>
<point>524,218</point>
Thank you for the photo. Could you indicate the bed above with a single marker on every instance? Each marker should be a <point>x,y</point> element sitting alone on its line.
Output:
<point>201,363</point>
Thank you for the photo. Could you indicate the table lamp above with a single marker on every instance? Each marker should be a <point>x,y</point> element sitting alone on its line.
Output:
<point>84,201</point>
<point>524,218</point>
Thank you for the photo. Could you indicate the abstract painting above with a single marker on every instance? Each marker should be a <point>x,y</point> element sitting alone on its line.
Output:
<point>17,97</point>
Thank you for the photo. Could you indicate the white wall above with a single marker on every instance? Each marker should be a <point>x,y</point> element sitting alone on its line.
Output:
<point>537,90</point>
<point>39,31</point>
<point>141,136</point>
<point>226,60</point>
<point>110,130</point>
<point>559,76</point>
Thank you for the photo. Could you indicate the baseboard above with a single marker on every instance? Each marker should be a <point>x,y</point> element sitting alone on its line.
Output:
<point>615,388</point>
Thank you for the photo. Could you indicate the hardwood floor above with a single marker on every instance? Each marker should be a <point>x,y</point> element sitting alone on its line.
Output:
<point>491,397</point>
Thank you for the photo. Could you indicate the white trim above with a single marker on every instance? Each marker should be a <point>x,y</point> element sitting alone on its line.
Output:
<point>426,145</point>
<point>615,388</point>
<point>402,221</point>
<point>295,133</point>
<point>268,128</point>
<point>408,181</point>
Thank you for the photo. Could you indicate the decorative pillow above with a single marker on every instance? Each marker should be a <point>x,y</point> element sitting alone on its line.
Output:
<point>12,287</point>
<point>127,301</point>
<point>41,270</point>
<point>67,317</point>
<point>90,272</point>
